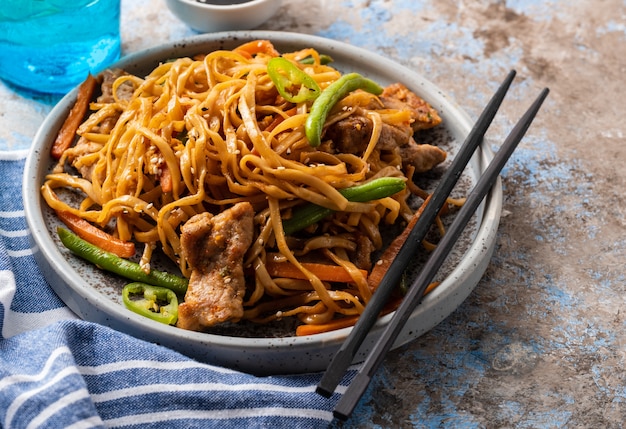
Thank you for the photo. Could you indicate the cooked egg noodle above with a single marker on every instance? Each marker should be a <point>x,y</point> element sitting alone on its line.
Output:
<point>205,120</point>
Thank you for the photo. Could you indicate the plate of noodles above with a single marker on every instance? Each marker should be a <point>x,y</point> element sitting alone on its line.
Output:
<point>237,197</point>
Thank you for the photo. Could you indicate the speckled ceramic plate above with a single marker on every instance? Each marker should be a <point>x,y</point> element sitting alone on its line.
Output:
<point>94,295</point>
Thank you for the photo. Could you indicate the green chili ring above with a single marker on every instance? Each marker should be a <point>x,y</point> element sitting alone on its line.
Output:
<point>329,97</point>
<point>123,267</point>
<point>156,303</point>
<point>373,190</point>
<point>286,76</point>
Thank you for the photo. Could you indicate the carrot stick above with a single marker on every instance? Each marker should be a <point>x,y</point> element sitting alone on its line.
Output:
<point>325,272</point>
<point>66,134</point>
<point>346,322</point>
<point>254,47</point>
<point>383,264</point>
<point>96,236</point>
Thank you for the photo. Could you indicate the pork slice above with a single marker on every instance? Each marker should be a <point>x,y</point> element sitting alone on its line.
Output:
<point>82,148</point>
<point>363,253</point>
<point>352,134</point>
<point>424,157</point>
<point>124,91</point>
<point>423,115</point>
<point>214,247</point>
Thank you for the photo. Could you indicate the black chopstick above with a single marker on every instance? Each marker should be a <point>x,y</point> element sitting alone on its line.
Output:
<point>345,355</point>
<point>358,385</point>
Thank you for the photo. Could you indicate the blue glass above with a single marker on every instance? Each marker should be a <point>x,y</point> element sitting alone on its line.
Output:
<point>49,46</point>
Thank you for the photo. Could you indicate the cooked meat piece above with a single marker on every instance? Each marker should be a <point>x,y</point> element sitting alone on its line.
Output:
<point>214,247</point>
<point>363,254</point>
<point>81,148</point>
<point>424,116</point>
<point>124,91</point>
<point>392,136</point>
<point>424,157</point>
<point>351,135</point>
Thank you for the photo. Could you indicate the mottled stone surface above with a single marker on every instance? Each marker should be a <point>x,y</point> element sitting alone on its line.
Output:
<point>540,342</point>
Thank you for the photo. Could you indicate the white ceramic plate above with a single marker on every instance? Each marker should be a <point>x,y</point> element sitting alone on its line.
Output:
<point>94,295</point>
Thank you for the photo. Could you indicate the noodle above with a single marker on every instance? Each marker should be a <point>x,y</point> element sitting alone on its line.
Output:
<point>202,134</point>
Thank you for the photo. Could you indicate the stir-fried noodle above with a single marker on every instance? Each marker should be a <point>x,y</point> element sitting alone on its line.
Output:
<point>205,133</point>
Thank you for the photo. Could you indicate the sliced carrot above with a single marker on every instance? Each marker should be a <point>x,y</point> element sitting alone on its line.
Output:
<point>254,47</point>
<point>325,272</point>
<point>383,264</point>
<point>66,134</point>
<point>96,236</point>
<point>344,322</point>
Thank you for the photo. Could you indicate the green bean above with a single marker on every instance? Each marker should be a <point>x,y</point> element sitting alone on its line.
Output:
<point>329,97</point>
<point>373,190</point>
<point>120,266</point>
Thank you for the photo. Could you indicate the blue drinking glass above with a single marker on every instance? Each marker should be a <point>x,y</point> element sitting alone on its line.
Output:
<point>50,46</point>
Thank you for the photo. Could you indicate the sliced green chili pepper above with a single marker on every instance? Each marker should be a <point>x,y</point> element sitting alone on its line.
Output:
<point>329,97</point>
<point>292,84</point>
<point>155,302</point>
<point>324,59</point>
<point>123,267</point>
<point>373,190</point>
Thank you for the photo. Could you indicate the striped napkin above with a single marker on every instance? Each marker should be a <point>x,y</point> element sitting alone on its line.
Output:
<point>58,371</point>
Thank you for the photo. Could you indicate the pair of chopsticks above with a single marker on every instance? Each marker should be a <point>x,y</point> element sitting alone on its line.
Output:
<point>347,351</point>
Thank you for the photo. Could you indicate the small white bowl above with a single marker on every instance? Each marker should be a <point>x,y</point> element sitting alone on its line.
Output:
<point>223,15</point>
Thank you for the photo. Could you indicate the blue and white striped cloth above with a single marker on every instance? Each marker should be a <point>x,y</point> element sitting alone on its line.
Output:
<point>57,371</point>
